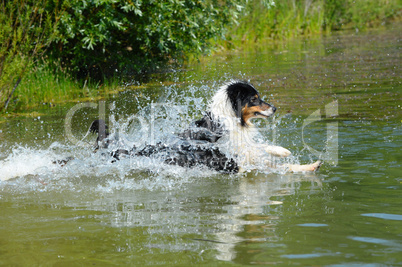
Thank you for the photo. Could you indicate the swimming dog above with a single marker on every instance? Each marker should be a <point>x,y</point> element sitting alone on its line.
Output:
<point>229,121</point>
<point>223,139</point>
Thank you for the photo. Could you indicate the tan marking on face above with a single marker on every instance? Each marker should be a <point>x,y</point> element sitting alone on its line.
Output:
<point>249,112</point>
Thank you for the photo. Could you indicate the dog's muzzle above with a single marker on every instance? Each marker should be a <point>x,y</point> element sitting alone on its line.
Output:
<point>267,110</point>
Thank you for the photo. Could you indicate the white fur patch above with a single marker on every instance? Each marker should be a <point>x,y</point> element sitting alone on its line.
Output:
<point>240,142</point>
<point>221,107</point>
<point>241,139</point>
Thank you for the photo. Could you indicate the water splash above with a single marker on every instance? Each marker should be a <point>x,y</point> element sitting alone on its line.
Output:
<point>158,122</point>
<point>24,161</point>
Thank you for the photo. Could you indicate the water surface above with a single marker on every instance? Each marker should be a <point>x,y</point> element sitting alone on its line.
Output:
<point>136,212</point>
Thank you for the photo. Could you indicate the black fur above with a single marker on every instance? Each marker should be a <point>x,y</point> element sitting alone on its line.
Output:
<point>242,93</point>
<point>206,130</point>
<point>239,94</point>
<point>190,155</point>
<point>184,153</point>
<point>99,127</point>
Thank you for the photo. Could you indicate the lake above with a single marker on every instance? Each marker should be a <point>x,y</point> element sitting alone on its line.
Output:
<point>338,99</point>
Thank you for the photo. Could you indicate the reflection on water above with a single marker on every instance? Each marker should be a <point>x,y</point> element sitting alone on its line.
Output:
<point>215,214</point>
<point>251,211</point>
<point>136,212</point>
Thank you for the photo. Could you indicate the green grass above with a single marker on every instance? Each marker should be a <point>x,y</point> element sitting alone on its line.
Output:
<point>47,86</point>
<point>51,84</point>
<point>290,18</point>
<point>363,13</point>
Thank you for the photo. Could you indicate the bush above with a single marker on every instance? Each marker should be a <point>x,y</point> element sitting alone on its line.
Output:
<point>99,38</point>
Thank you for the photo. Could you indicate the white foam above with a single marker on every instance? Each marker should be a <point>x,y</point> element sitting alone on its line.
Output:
<point>152,124</point>
<point>24,161</point>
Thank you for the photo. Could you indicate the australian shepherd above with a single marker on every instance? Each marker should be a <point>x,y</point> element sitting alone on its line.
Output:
<point>224,139</point>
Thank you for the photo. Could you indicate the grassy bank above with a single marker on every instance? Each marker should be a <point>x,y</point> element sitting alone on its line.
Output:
<point>45,85</point>
<point>276,20</point>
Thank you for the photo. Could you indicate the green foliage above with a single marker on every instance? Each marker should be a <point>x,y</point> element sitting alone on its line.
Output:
<point>363,13</point>
<point>277,20</point>
<point>334,14</point>
<point>25,32</point>
<point>42,85</point>
<point>48,85</point>
<point>97,38</point>
<point>288,18</point>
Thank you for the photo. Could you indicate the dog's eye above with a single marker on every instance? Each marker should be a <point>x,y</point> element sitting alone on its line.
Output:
<point>254,99</point>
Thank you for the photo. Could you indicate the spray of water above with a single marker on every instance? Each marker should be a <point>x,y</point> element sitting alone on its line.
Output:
<point>158,122</point>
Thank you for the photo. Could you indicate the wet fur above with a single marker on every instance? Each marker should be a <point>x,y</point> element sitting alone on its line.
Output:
<point>229,120</point>
<point>234,107</point>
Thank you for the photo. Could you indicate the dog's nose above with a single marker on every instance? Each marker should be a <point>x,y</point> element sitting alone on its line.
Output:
<point>273,108</point>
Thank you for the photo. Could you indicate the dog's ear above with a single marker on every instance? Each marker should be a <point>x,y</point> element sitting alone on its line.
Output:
<point>236,101</point>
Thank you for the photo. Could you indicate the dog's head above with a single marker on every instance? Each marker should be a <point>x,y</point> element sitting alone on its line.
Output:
<point>246,102</point>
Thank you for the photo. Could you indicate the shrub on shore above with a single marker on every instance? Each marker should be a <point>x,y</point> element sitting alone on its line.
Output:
<point>99,40</point>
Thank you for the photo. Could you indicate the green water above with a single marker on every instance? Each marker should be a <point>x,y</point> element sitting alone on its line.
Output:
<point>345,214</point>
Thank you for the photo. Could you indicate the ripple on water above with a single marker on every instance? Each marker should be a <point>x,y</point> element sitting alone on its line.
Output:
<point>313,224</point>
<point>385,216</point>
